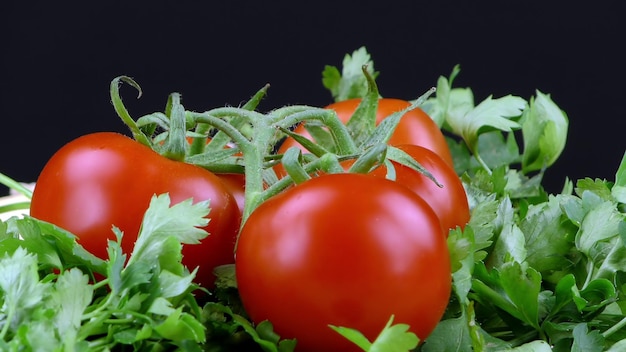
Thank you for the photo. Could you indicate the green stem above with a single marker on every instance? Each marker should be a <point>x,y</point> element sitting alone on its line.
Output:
<point>264,127</point>
<point>590,270</point>
<point>101,307</point>
<point>363,120</point>
<point>253,152</point>
<point>371,158</point>
<point>492,296</point>
<point>126,312</point>
<point>523,338</point>
<point>175,146</point>
<point>308,144</point>
<point>615,328</point>
<point>496,299</point>
<point>283,113</point>
<point>230,112</point>
<point>218,140</point>
<point>256,98</point>
<point>121,111</point>
<point>100,283</point>
<point>7,321</point>
<point>328,163</point>
<point>482,162</point>
<point>198,143</point>
<point>292,161</point>
<point>232,132</point>
<point>253,157</point>
<point>338,130</point>
<point>12,184</point>
<point>14,206</point>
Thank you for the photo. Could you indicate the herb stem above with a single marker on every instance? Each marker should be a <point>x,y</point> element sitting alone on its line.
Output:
<point>14,206</point>
<point>482,162</point>
<point>12,184</point>
<point>100,283</point>
<point>522,339</point>
<point>589,274</point>
<point>613,329</point>
<point>7,321</point>
<point>98,309</point>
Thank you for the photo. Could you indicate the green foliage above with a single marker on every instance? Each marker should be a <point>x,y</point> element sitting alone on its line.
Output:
<point>350,82</point>
<point>543,271</point>
<point>393,337</point>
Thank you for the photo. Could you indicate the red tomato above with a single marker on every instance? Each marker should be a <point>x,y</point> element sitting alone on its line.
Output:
<point>235,184</point>
<point>415,127</point>
<point>104,179</point>
<point>343,249</point>
<point>449,202</point>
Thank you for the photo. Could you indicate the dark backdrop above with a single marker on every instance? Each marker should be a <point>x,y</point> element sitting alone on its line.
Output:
<point>58,59</point>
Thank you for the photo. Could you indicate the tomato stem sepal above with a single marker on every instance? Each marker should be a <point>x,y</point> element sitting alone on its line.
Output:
<point>176,144</point>
<point>122,112</point>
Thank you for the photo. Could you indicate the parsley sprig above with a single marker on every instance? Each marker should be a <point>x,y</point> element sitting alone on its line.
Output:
<point>53,301</point>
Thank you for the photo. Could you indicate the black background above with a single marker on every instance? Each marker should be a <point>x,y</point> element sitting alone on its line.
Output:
<point>58,59</point>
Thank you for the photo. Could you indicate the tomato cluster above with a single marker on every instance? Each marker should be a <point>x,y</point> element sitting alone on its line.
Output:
<point>342,249</point>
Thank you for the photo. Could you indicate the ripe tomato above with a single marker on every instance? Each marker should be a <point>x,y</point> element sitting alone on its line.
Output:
<point>415,127</point>
<point>343,249</point>
<point>449,202</point>
<point>104,179</point>
<point>235,184</point>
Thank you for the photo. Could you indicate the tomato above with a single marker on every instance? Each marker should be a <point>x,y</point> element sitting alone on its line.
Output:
<point>343,249</point>
<point>235,184</point>
<point>449,202</point>
<point>104,179</point>
<point>415,127</point>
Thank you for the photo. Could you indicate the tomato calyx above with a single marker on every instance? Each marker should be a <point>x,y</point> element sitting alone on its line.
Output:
<point>242,140</point>
<point>121,110</point>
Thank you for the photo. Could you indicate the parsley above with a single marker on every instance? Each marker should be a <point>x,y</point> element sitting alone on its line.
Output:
<point>141,302</point>
<point>393,337</point>
<point>350,82</point>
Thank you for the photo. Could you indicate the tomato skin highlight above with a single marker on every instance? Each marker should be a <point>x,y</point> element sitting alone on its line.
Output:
<point>103,179</point>
<point>415,127</point>
<point>343,249</point>
<point>449,202</point>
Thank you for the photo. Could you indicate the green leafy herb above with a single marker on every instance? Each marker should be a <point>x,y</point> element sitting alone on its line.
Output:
<point>144,304</point>
<point>350,82</point>
<point>544,126</point>
<point>393,337</point>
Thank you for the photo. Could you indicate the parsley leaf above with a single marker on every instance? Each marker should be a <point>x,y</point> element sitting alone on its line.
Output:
<point>544,127</point>
<point>22,292</point>
<point>619,189</point>
<point>393,338</point>
<point>164,229</point>
<point>350,82</point>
